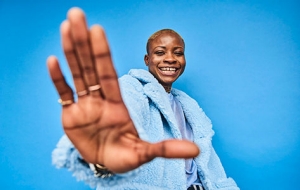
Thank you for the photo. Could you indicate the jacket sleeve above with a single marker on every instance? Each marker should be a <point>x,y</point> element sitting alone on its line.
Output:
<point>65,155</point>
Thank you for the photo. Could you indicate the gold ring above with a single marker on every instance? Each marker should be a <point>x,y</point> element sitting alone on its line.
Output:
<point>65,102</point>
<point>94,87</point>
<point>82,93</point>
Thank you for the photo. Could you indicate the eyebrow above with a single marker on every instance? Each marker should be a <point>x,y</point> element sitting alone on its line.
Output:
<point>164,47</point>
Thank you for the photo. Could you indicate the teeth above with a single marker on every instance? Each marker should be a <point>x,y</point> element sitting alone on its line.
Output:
<point>167,69</point>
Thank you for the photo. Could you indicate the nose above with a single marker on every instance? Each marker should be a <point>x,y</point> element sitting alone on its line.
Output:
<point>169,58</point>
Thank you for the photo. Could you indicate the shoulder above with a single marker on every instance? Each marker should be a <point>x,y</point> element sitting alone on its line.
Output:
<point>136,78</point>
<point>139,81</point>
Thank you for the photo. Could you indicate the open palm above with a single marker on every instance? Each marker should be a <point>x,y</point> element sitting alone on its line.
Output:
<point>98,123</point>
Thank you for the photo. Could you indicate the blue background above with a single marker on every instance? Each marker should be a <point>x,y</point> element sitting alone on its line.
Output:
<point>243,67</point>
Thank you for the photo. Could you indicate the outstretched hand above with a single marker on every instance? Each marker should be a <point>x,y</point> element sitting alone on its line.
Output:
<point>98,124</point>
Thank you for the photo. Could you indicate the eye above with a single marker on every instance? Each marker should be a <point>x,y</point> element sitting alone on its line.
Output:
<point>179,53</point>
<point>159,53</point>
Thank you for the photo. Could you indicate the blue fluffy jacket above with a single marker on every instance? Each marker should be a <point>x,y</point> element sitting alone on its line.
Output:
<point>150,110</point>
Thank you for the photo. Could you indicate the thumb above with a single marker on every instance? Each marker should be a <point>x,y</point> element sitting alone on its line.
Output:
<point>172,149</point>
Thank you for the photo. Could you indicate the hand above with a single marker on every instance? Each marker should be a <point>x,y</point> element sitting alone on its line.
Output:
<point>98,124</point>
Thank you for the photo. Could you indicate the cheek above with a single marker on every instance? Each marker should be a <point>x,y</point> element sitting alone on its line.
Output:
<point>153,63</point>
<point>152,66</point>
<point>155,60</point>
<point>183,67</point>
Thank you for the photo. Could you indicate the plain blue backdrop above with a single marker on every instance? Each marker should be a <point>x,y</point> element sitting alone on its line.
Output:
<point>243,68</point>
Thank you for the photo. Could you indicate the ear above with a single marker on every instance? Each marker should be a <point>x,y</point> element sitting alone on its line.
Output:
<point>146,59</point>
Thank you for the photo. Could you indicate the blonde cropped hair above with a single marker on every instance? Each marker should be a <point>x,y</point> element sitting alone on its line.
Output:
<point>158,33</point>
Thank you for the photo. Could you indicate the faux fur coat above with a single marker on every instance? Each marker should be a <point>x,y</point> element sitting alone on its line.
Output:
<point>151,112</point>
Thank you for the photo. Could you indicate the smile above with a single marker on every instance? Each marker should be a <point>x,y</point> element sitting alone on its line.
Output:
<point>168,70</point>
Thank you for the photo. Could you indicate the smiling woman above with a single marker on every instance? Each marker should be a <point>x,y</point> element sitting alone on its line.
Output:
<point>117,127</point>
<point>165,58</point>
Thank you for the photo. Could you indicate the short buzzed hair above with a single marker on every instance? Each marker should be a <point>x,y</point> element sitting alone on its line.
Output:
<point>158,33</point>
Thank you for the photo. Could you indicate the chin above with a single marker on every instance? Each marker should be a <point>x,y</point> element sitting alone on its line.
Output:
<point>167,82</point>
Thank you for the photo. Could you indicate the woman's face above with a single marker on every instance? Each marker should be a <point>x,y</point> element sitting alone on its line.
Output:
<point>165,59</point>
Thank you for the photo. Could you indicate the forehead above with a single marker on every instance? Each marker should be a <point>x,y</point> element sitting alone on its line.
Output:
<point>167,38</point>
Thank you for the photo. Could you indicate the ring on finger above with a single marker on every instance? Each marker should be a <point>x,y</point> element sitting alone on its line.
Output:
<point>65,102</point>
<point>82,93</point>
<point>94,87</point>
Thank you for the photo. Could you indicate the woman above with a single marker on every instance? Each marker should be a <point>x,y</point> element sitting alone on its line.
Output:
<point>123,137</point>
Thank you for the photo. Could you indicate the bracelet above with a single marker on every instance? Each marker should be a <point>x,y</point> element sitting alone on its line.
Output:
<point>100,171</point>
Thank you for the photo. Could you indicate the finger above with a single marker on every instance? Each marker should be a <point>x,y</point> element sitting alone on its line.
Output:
<point>80,36</point>
<point>146,152</point>
<point>104,66</point>
<point>63,89</point>
<point>71,57</point>
<point>172,149</point>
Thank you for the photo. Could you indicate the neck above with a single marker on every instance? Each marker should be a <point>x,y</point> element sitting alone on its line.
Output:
<point>167,88</point>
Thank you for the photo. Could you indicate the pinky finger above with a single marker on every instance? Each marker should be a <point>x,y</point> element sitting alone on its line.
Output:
<point>64,90</point>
